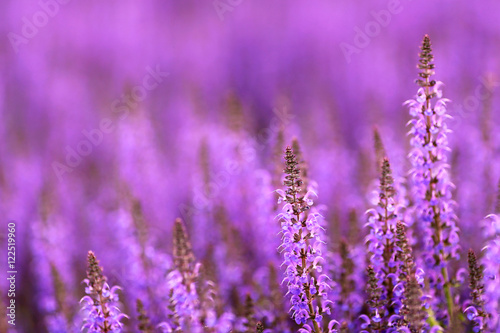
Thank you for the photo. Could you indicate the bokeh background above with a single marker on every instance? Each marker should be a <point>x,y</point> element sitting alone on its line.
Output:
<point>235,81</point>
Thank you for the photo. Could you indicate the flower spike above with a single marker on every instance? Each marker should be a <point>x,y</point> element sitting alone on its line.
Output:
<point>100,304</point>
<point>431,182</point>
<point>475,311</point>
<point>381,241</point>
<point>184,300</point>
<point>301,247</point>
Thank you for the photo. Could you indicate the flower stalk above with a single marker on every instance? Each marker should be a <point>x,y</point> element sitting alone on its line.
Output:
<point>475,311</point>
<point>101,301</point>
<point>300,246</point>
<point>381,239</point>
<point>432,186</point>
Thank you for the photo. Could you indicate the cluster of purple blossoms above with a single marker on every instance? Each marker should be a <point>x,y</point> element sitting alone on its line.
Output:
<point>394,283</point>
<point>181,282</point>
<point>411,316</point>
<point>191,304</point>
<point>302,250</point>
<point>382,224</point>
<point>403,310</point>
<point>432,186</point>
<point>101,303</point>
<point>381,246</point>
<point>377,303</point>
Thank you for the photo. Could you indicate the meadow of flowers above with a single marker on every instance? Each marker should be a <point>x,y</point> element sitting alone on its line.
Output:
<point>237,166</point>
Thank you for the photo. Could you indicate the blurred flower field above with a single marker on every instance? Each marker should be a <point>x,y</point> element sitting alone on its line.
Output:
<point>236,166</point>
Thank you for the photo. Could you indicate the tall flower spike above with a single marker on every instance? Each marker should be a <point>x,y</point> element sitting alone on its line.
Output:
<point>413,310</point>
<point>475,311</point>
<point>100,304</point>
<point>431,182</point>
<point>377,304</point>
<point>381,240</point>
<point>184,301</point>
<point>404,255</point>
<point>301,247</point>
<point>412,313</point>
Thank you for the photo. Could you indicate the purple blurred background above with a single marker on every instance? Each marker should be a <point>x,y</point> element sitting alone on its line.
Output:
<point>182,90</point>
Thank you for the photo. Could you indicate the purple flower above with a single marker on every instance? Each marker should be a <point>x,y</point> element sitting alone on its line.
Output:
<point>101,302</point>
<point>411,308</point>
<point>190,307</point>
<point>413,312</point>
<point>381,241</point>
<point>376,302</point>
<point>301,247</point>
<point>184,302</point>
<point>431,181</point>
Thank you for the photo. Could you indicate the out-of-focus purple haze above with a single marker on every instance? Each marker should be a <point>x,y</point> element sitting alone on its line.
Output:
<point>179,105</point>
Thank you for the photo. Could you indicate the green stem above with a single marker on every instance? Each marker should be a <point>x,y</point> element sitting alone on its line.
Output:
<point>447,292</point>
<point>431,320</point>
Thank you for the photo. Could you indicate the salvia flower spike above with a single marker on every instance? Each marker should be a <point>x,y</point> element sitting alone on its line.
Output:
<point>475,311</point>
<point>101,302</point>
<point>373,322</point>
<point>431,182</point>
<point>413,309</point>
<point>301,248</point>
<point>381,239</point>
<point>184,301</point>
<point>404,253</point>
<point>412,314</point>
